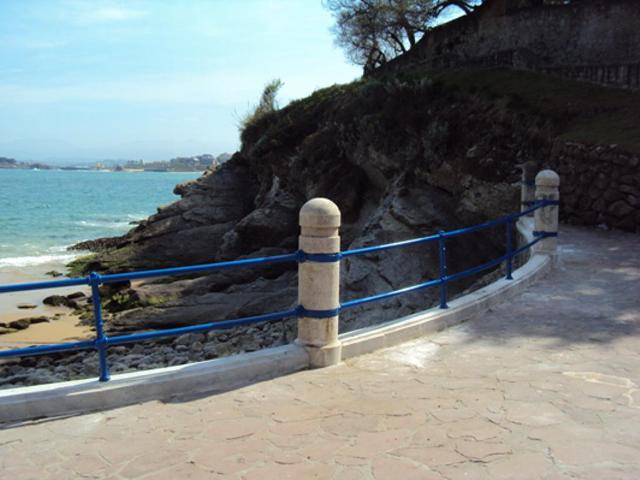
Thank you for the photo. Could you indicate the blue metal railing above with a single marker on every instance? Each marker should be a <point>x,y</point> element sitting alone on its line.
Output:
<point>102,342</point>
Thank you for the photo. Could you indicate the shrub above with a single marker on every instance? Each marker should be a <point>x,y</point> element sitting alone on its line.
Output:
<point>267,104</point>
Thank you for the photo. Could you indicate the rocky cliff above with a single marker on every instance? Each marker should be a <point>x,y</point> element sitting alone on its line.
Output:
<point>401,157</point>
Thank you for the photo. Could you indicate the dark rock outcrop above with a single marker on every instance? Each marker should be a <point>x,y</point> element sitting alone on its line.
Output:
<point>400,158</point>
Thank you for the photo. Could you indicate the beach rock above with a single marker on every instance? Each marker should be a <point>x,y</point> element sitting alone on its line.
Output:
<point>20,324</point>
<point>54,273</point>
<point>26,306</point>
<point>188,339</point>
<point>59,301</point>
<point>4,330</point>
<point>97,244</point>
<point>41,376</point>
<point>76,295</point>
<point>41,319</point>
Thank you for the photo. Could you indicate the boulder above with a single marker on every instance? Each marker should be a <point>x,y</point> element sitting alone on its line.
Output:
<point>76,295</point>
<point>41,319</point>
<point>60,301</point>
<point>620,209</point>
<point>20,324</point>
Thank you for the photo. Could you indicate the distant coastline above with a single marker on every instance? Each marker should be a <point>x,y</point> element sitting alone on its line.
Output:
<point>198,163</point>
<point>12,164</point>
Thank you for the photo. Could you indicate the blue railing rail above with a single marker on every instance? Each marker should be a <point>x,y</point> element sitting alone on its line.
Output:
<point>102,342</point>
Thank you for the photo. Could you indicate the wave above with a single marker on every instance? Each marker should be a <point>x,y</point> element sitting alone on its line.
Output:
<point>111,222</point>
<point>36,260</point>
<point>59,249</point>
<point>105,224</point>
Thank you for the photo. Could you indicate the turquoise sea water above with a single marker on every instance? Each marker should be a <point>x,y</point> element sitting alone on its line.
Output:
<point>44,211</point>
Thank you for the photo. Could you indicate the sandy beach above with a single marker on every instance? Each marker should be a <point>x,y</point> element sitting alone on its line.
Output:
<point>64,329</point>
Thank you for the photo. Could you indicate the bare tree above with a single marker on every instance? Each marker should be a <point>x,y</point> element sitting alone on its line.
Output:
<point>374,31</point>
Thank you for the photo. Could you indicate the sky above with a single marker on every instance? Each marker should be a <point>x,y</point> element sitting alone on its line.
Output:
<point>152,79</point>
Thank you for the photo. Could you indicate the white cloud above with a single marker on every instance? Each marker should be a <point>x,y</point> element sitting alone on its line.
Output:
<point>114,14</point>
<point>43,44</point>
<point>178,88</point>
<point>87,12</point>
<point>236,89</point>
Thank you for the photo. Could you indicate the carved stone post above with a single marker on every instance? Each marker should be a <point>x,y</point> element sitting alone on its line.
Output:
<point>546,219</point>
<point>319,282</point>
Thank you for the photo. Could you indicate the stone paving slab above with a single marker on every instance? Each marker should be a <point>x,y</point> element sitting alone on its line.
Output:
<point>545,387</point>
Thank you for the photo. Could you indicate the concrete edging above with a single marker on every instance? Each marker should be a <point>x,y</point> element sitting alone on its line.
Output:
<point>79,396</point>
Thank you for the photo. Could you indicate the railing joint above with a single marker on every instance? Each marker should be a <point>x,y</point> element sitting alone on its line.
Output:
<point>303,256</point>
<point>537,233</point>
<point>303,312</point>
<point>94,278</point>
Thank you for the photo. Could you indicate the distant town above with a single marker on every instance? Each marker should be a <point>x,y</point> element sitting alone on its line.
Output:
<point>197,163</point>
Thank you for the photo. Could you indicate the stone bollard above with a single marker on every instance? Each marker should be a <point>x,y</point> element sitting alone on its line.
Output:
<point>319,282</point>
<point>528,192</point>
<point>546,219</point>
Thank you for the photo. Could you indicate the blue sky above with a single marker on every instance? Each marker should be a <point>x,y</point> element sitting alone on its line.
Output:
<point>94,79</point>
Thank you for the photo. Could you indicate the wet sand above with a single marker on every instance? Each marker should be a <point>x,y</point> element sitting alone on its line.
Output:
<point>64,329</point>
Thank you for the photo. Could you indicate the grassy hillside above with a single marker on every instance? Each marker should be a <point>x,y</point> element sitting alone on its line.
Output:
<point>584,112</point>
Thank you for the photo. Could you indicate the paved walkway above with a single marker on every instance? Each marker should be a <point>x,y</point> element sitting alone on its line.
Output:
<point>546,387</point>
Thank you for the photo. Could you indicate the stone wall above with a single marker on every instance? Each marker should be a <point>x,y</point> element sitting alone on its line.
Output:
<point>570,40</point>
<point>620,75</point>
<point>600,185</point>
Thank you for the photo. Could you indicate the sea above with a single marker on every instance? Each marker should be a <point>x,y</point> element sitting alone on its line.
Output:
<point>43,212</point>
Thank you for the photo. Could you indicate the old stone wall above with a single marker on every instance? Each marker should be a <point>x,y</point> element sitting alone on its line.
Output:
<point>569,40</point>
<point>600,185</point>
<point>620,75</point>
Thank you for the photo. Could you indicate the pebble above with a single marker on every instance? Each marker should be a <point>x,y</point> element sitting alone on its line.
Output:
<point>26,306</point>
<point>186,348</point>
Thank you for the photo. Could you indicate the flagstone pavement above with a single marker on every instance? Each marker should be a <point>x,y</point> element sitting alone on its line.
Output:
<point>545,386</point>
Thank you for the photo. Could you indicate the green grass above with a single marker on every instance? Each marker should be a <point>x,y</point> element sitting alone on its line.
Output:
<point>78,267</point>
<point>585,112</point>
<point>112,260</point>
